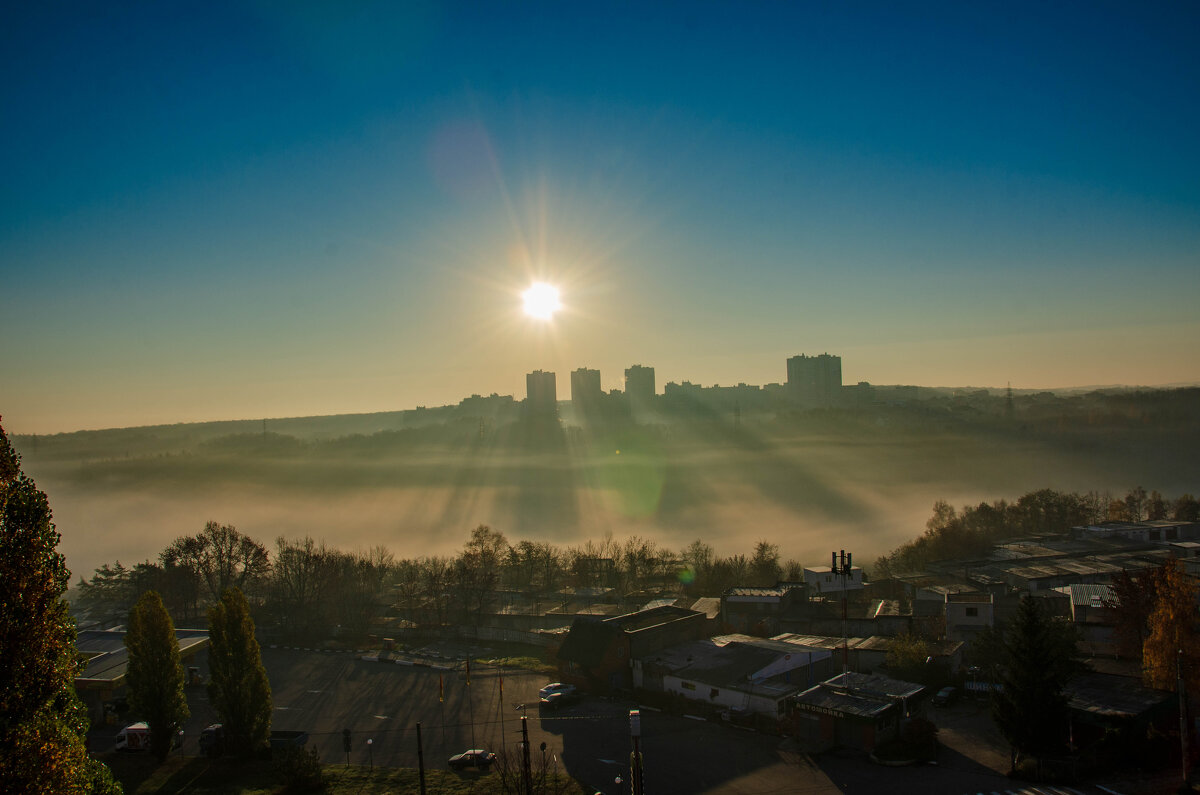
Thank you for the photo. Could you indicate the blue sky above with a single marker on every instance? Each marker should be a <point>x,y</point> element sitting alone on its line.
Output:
<point>270,209</point>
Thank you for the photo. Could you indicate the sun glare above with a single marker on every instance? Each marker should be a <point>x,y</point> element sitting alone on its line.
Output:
<point>541,301</point>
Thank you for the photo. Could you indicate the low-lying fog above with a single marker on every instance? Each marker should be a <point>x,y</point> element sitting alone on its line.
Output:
<point>864,486</point>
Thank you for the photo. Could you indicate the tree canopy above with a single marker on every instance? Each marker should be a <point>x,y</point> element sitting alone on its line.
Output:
<point>219,557</point>
<point>155,675</point>
<point>238,686</point>
<point>1173,640</point>
<point>1035,658</point>
<point>42,723</point>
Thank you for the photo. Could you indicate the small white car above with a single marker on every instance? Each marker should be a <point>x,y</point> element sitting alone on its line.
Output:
<point>476,757</point>
<point>557,687</point>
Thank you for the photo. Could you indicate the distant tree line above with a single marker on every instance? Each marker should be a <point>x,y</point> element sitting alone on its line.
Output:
<point>951,534</point>
<point>305,588</point>
<point>469,425</point>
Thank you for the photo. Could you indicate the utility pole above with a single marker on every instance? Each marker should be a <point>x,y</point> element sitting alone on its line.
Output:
<point>420,759</point>
<point>635,761</point>
<point>841,566</point>
<point>526,775</point>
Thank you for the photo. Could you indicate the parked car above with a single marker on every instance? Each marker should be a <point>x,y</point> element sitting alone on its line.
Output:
<point>945,696</point>
<point>557,687</point>
<point>559,699</point>
<point>476,757</point>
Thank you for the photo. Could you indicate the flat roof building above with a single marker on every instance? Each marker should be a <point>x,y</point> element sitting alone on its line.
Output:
<point>541,397</point>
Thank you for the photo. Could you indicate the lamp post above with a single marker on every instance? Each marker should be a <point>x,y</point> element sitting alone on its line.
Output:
<point>371,753</point>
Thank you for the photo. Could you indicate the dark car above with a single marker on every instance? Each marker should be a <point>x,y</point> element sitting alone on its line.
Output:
<point>476,757</point>
<point>945,696</point>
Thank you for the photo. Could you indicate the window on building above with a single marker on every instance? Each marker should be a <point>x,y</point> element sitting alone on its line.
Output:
<point>687,685</point>
<point>714,693</point>
<point>972,612</point>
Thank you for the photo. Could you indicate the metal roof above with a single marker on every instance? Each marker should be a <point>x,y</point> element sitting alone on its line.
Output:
<point>109,659</point>
<point>858,695</point>
<point>1087,595</point>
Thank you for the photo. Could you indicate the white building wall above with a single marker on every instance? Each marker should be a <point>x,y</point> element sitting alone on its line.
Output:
<point>727,698</point>
<point>822,580</point>
<point>957,614</point>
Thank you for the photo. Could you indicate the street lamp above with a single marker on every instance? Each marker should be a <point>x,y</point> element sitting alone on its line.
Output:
<point>617,781</point>
<point>371,753</point>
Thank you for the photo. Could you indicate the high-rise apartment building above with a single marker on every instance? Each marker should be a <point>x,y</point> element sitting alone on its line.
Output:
<point>585,389</point>
<point>814,380</point>
<point>639,386</point>
<point>541,397</point>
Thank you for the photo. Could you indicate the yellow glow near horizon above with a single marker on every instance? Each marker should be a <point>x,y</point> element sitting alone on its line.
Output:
<point>541,301</point>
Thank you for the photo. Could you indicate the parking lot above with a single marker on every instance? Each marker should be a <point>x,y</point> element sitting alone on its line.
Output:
<point>326,692</point>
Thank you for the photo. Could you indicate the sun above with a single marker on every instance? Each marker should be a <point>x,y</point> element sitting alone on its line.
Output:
<point>541,301</point>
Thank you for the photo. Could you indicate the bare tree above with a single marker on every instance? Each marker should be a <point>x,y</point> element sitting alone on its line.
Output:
<point>218,558</point>
<point>300,581</point>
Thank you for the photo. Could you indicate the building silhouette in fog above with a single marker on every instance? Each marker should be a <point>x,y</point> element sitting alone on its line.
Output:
<point>639,387</point>
<point>814,380</point>
<point>586,393</point>
<point>541,397</point>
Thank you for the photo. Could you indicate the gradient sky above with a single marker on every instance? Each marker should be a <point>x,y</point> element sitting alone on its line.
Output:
<point>242,210</point>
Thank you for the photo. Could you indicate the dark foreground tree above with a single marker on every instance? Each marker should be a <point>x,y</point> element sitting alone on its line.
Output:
<point>42,723</point>
<point>238,687</point>
<point>155,674</point>
<point>1036,659</point>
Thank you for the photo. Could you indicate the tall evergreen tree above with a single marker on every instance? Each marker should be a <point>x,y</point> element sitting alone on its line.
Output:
<point>42,723</point>
<point>238,686</point>
<point>155,675</point>
<point>1037,658</point>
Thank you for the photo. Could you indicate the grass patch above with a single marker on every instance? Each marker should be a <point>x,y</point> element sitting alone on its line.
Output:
<point>526,663</point>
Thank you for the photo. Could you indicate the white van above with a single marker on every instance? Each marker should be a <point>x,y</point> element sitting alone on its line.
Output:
<point>134,737</point>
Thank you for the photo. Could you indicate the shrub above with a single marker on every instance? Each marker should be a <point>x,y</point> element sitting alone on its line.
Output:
<point>300,769</point>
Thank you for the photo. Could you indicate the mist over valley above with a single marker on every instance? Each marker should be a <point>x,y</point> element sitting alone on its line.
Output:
<point>417,482</point>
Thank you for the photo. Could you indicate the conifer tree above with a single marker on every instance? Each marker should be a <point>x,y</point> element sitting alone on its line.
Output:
<point>1037,659</point>
<point>238,687</point>
<point>42,723</point>
<point>155,675</point>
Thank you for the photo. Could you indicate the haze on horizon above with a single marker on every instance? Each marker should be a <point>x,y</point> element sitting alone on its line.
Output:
<point>231,210</point>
